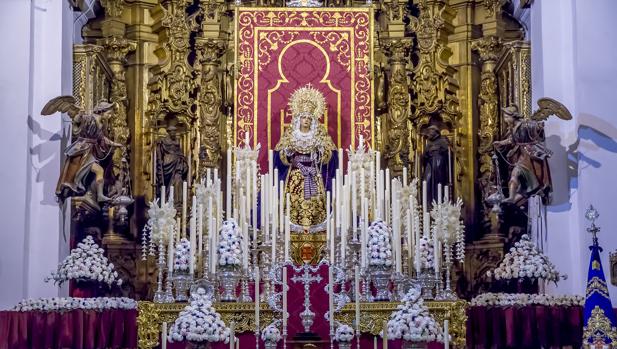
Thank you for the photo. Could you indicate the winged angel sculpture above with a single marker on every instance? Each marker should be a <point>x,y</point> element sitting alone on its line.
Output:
<point>525,152</point>
<point>84,169</point>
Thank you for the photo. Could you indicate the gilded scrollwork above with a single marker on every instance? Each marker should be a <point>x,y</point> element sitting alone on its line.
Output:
<point>113,8</point>
<point>396,150</point>
<point>489,49</point>
<point>210,102</point>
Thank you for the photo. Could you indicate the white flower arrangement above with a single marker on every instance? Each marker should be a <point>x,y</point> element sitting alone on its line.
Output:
<point>230,244</point>
<point>344,333</point>
<point>182,256</point>
<point>426,252</point>
<point>379,247</point>
<point>70,303</point>
<point>523,299</point>
<point>448,226</point>
<point>86,262</point>
<point>524,260</point>
<point>271,334</point>
<point>412,321</point>
<point>199,322</point>
<point>160,220</point>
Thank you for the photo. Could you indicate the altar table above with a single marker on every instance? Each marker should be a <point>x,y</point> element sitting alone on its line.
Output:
<point>533,326</point>
<point>76,329</point>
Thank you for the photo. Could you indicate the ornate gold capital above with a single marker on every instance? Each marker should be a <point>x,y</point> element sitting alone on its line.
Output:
<point>397,50</point>
<point>113,8</point>
<point>116,48</point>
<point>489,48</point>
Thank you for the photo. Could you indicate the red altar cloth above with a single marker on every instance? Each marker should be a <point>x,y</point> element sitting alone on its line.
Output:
<point>76,329</point>
<point>531,326</point>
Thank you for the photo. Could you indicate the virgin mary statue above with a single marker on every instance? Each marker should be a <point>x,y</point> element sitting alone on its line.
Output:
<point>306,160</point>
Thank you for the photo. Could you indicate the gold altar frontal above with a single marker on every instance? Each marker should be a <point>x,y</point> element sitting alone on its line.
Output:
<point>372,317</point>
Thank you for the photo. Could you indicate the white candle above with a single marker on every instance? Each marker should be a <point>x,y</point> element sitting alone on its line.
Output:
<point>439,194</point>
<point>375,342</point>
<point>446,194</point>
<point>446,337</point>
<point>200,228</point>
<point>287,226</point>
<point>404,176</point>
<point>254,193</point>
<point>184,203</point>
<point>257,297</point>
<point>163,195</point>
<point>228,186</point>
<point>331,297</point>
<point>193,235</point>
<point>387,197</point>
<point>170,250</point>
<point>232,336</point>
<point>341,160</point>
<point>284,298</point>
<point>449,165</point>
<point>357,296</point>
<point>164,336</point>
<point>424,198</point>
<point>385,335</point>
<point>329,233</point>
<point>354,205</point>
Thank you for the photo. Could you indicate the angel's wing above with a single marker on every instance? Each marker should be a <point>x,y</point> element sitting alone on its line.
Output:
<point>548,107</point>
<point>64,104</point>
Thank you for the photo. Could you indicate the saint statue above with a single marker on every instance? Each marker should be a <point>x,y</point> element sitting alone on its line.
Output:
<point>84,169</point>
<point>306,159</point>
<point>524,151</point>
<point>435,162</point>
<point>171,164</point>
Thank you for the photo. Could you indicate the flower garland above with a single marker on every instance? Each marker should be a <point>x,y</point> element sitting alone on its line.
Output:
<point>199,322</point>
<point>344,333</point>
<point>230,244</point>
<point>182,255</point>
<point>523,299</point>
<point>413,322</point>
<point>426,252</point>
<point>70,303</point>
<point>379,247</point>
<point>271,334</point>
<point>86,262</point>
<point>524,260</point>
<point>448,226</point>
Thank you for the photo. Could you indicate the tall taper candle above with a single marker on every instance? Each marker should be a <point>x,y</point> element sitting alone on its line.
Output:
<point>257,280</point>
<point>170,250</point>
<point>200,231</point>
<point>329,233</point>
<point>184,208</point>
<point>287,226</point>
<point>385,335</point>
<point>404,176</point>
<point>446,336</point>
<point>354,206</point>
<point>254,193</point>
<point>193,235</point>
<point>357,297</point>
<point>163,191</point>
<point>164,336</point>
<point>284,297</point>
<point>270,162</point>
<point>232,336</point>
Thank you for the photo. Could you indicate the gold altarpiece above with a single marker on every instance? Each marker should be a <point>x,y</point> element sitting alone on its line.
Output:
<point>448,63</point>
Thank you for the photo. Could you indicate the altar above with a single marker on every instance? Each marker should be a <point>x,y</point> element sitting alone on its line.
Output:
<point>272,173</point>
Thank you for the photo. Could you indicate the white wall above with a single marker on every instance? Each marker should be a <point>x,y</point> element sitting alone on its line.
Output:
<point>573,61</point>
<point>35,67</point>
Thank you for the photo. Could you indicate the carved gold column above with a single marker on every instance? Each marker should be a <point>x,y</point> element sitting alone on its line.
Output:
<point>210,46</point>
<point>489,49</point>
<point>396,143</point>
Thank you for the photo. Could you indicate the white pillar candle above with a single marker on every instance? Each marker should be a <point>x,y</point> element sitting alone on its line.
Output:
<point>262,198</point>
<point>357,296</point>
<point>439,194</point>
<point>257,280</point>
<point>424,198</point>
<point>270,162</point>
<point>329,233</point>
<point>232,336</point>
<point>354,205</point>
<point>170,250</point>
<point>387,197</point>
<point>446,337</point>
<point>341,158</point>
<point>404,176</point>
<point>281,206</point>
<point>164,336</point>
<point>287,226</point>
<point>193,235</point>
<point>254,192</point>
<point>163,189</point>
<point>228,186</point>
<point>200,229</point>
<point>449,166</point>
<point>184,207</point>
<point>375,342</point>
<point>284,298</point>
<point>446,194</point>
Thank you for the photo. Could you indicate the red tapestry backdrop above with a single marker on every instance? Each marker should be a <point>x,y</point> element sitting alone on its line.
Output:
<point>281,50</point>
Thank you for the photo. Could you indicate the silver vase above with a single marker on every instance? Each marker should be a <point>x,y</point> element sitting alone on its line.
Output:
<point>381,281</point>
<point>229,276</point>
<point>182,282</point>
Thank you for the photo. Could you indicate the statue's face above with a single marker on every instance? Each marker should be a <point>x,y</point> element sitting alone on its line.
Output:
<point>508,119</point>
<point>305,122</point>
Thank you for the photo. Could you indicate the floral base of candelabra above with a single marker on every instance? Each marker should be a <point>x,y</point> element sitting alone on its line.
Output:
<point>200,345</point>
<point>426,279</point>
<point>381,278</point>
<point>229,276</point>
<point>344,345</point>
<point>413,345</point>
<point>182,283</point>
<point>270,345</point>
